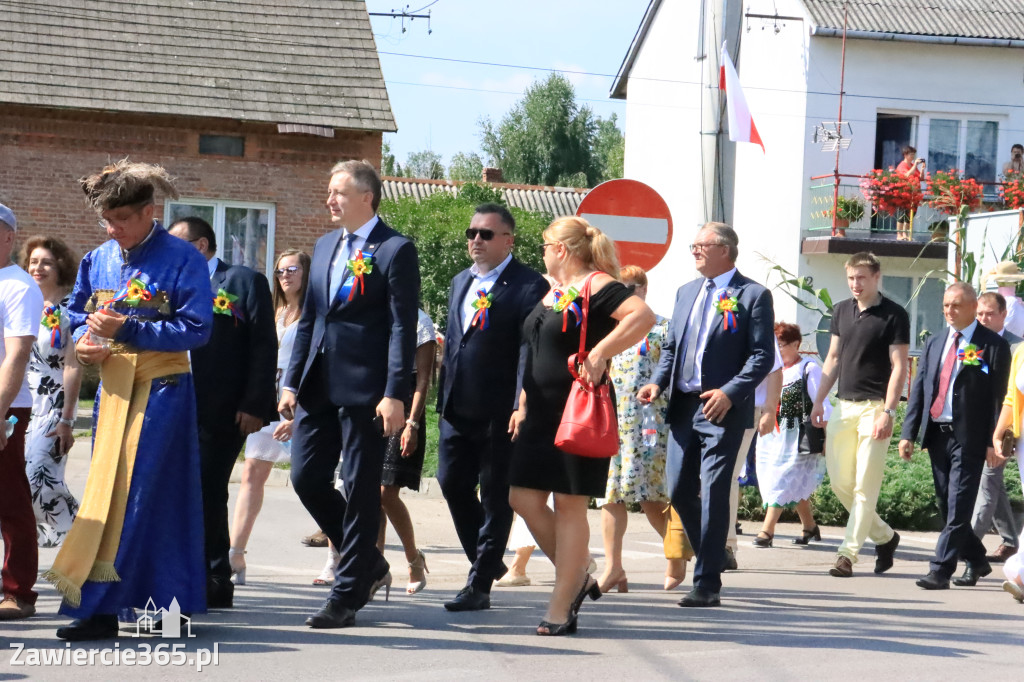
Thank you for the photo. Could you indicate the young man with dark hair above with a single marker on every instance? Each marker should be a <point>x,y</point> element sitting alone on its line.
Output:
<point>868,355</point>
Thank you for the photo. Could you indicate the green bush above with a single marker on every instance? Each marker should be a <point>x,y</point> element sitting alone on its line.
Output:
<point>906,500</point>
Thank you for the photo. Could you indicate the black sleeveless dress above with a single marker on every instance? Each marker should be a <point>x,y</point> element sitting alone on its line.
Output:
<point>536,462</point>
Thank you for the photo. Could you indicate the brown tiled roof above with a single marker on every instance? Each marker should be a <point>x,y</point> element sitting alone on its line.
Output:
<point>278,61</point>
<point>557,201</point>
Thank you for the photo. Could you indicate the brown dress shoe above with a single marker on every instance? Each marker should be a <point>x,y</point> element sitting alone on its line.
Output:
<point>1002,553</point>
<point>843,568</point>
<point>317,539</point>
<point>12,608</point>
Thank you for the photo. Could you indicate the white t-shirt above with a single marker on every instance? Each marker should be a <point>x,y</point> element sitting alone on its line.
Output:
<point>21,309</point>
<point>761,392</point>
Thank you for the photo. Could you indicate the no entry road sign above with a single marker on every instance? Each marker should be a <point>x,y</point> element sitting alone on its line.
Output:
<point>632,214</point>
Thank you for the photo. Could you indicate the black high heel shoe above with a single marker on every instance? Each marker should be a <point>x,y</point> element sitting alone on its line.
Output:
<point>558,629</point>
<point>589,588</point>
<point>808,535</point>
<point>763,539</point>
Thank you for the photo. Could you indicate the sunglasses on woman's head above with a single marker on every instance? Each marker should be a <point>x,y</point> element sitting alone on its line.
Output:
<point>290,270</point>
<point>486,235</point>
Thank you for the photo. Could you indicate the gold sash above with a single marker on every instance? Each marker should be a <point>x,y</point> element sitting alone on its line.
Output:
<point>90,547</point>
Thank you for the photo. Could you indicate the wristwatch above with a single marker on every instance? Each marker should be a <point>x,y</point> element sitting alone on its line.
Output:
<point>414,424</point>
<point>891,413</point>
<point>66,422</point>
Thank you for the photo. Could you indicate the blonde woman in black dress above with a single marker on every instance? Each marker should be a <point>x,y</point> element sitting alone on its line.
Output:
<point>617,319</point>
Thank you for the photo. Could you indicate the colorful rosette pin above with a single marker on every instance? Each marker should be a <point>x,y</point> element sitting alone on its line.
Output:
<point>134,292</point>
<point>224,304</point>
<point>359,267</point>
<point>51,320</point>
<point>971,356</point>
<point>566,302</point>
<point>482,304</point>
<point>729,307</point>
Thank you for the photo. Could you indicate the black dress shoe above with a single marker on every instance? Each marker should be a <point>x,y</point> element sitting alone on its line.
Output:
<point>884,553</point>
<point>700,597</point>
<point>807,535</point>
<point>469,599</point>
<point>933,581</point>
<point>86,629</point>
<point>332,615</point>
<point>730,560</point>
<point>220,594</point>
<point>972,574</point>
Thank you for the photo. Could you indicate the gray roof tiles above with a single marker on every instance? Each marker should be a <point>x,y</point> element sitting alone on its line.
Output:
<point>985,19</point>
<point>256,60</point>
<point>557,201</point>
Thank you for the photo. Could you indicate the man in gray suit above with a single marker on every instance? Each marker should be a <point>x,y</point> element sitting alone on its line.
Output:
<point>993,504</point>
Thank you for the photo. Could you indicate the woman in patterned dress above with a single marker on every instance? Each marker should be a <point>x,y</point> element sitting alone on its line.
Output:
<point>54,377</point>
<point>785,477</point>
<point>637,473</point>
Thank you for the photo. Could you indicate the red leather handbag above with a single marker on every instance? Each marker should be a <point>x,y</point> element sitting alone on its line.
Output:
<point>588,427</point>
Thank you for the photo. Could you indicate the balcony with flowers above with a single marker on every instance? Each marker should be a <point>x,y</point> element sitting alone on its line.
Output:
<point>893,215</point>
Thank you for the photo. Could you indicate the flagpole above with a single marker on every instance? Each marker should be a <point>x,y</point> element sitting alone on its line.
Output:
<point>839,125</point>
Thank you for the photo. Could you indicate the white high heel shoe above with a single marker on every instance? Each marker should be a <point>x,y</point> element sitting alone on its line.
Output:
<point>419,564</point>
<point>237,567</point>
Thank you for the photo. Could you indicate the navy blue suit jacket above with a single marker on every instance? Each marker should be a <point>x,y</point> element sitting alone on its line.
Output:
<point>735,362</point>
<point>366,346</point>
<point>481,374</point>
<point>977,394</point>
<point>237,368</point>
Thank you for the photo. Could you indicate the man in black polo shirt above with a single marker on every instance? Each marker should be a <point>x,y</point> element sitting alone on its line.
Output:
<point>868,354</point>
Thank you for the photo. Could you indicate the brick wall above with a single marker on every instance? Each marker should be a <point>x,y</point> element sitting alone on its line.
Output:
<point>44,152</point>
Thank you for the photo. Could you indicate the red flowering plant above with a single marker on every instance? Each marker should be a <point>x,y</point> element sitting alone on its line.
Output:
<point>890,192</point>
<point>951,193</point>
<point>1012,189</point>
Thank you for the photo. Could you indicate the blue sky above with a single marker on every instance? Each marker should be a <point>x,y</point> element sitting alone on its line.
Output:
<point>438,104</point>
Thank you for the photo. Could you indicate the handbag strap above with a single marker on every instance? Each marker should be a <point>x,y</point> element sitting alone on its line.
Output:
<point>805,395</point>
<point>584,314</point>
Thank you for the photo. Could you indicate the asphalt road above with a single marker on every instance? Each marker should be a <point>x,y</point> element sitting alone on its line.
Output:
<point>783,618</point>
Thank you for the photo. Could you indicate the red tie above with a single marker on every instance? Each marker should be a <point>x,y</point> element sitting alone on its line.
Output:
<point>945,377</point>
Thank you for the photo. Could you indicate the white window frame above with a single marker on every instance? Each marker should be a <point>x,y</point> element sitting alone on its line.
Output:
<point>916,346</point>
<point>219,209</point>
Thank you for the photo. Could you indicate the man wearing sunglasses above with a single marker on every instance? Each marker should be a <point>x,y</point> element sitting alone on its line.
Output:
<point>479,387</point>
<point>235,376</point>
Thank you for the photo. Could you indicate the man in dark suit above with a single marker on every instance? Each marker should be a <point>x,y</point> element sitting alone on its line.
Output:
<point>349,375</point>
<point>993,505</point>
<point>235,376</point>
<point>953,405</point>
<point>481,379</point>
<point>722,344</point>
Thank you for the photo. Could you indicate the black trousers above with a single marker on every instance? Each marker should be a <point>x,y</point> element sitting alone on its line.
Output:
<point>470,453</point>
<point>957,475</point>
<point>351,521</point>
<point>218,451</point>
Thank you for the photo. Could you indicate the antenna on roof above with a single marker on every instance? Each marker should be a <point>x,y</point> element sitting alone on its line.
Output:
<point>406,14</point>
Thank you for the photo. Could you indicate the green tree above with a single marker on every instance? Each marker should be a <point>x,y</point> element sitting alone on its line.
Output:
<point>610,148</point>
<point>466,167</point>
<point>546,138</point>
<point>387,160</point>
<point>437,226</point>
<point>425,164</point>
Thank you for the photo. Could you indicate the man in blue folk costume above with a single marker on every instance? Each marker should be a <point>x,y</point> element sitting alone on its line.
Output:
<point>142,300</point>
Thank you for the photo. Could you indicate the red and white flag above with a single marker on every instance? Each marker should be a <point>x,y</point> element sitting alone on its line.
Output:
<point>741,125</point>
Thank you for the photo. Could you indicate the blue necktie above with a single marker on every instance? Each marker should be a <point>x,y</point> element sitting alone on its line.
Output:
<point>341,264</point>
<point>692,340</point>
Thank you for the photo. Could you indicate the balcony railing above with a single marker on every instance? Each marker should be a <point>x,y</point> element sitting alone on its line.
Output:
<point>874,225</point>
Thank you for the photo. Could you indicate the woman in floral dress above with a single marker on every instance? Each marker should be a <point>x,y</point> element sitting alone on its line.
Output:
<point>637,473</point>
<point>54,378</point>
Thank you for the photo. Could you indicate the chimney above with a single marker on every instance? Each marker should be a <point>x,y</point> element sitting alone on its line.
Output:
<point>493,175</point>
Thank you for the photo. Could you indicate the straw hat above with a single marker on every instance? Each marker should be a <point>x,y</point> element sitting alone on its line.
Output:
<point>1006,272</point>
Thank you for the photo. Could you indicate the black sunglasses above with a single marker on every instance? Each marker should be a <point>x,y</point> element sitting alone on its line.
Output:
<point>486,235</point>
<point>291,270</point>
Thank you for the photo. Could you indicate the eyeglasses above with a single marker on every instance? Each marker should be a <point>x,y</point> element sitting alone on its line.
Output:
<point>704,246</point>
<point>545,245</point>
<point>486,235</point>
<point>290,270</point>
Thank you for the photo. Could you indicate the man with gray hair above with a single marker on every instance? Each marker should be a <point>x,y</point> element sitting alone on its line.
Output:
<point>350,372</point>
<point>21,305</point>
<point>952,407</point>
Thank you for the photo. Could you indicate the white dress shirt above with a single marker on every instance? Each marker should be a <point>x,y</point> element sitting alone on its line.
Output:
<point>693,324</point>
<point>965,338</point>
<point>480,281</point>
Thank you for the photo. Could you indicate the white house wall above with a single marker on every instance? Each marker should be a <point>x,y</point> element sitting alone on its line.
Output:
<point>663,112</point>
